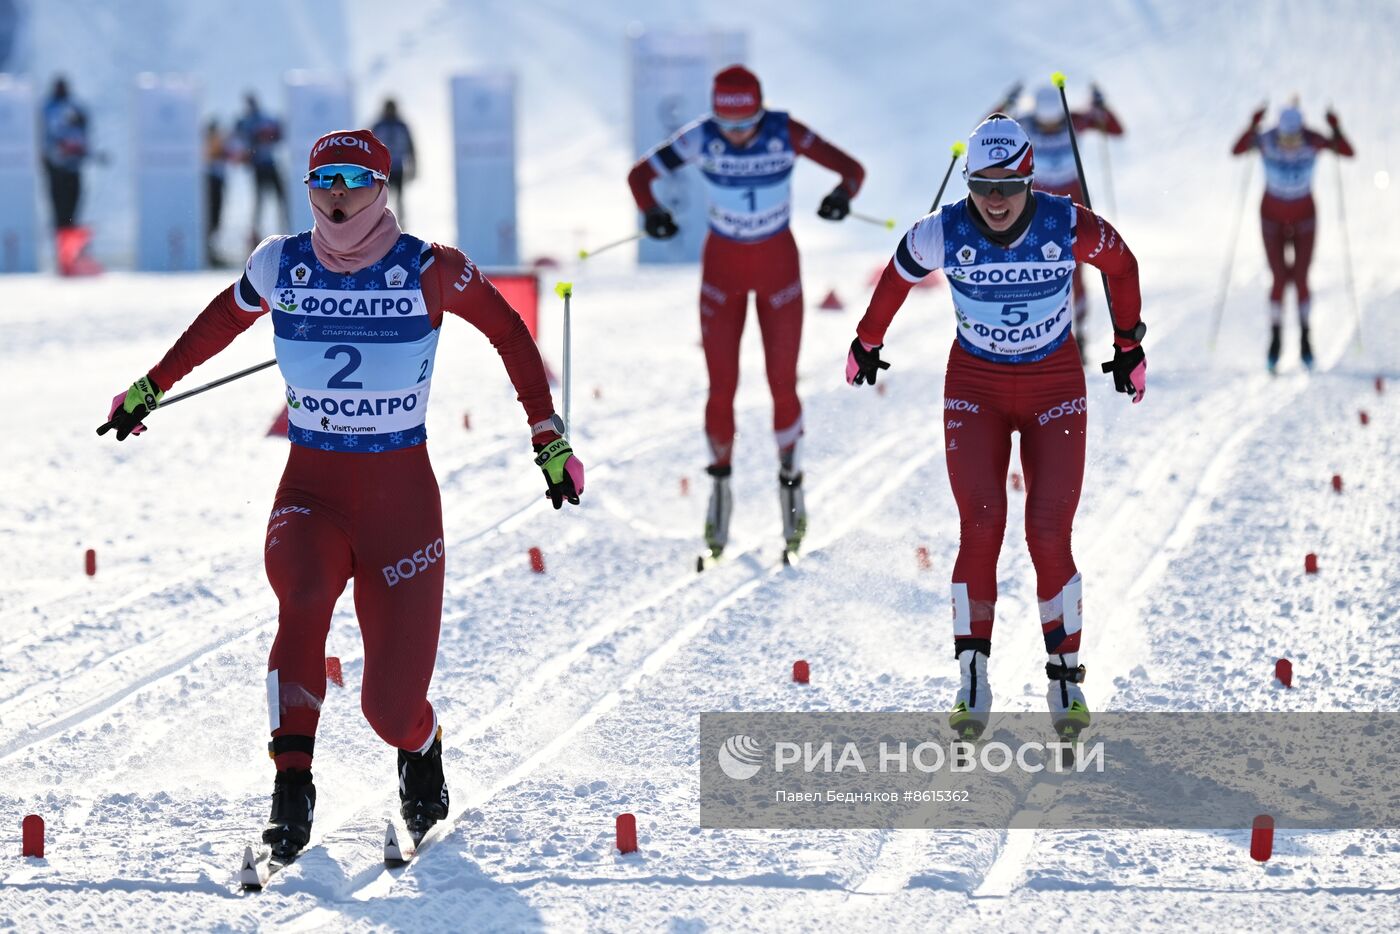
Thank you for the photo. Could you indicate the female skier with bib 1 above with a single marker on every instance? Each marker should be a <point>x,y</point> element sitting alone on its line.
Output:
<point>1009,254</point>
<point>356,308</point>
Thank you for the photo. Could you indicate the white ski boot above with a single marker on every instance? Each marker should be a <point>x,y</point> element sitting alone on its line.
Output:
<point>717,516</point>
<point>973,704</point>
<point>1069,712</point>
<point>794,511</point>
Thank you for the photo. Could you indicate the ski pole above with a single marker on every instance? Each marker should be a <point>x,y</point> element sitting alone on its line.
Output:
<point>958,149</point>
<point>565,290</point>
<point>218,382</point>
<point>1229,259</point>
<point>1346,255</point>
<point>585,254</point>
<point>887,222</point>
<point>1058,79</point>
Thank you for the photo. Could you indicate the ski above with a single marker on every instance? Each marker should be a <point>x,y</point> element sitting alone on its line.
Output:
<point>258,867</point>
<point>399,846</point>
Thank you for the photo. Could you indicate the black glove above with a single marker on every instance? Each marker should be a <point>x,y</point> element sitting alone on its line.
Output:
<point>836,205</point>
<point>1127,366</point>
<point>660,224</point>
<point>862,366</point>
<point>129,408</point>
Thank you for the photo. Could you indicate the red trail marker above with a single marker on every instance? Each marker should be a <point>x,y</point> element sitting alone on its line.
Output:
<point>1365,419</point>
<point>921,553</point>
<point>32,834</point>
<point>333,673</point>
<point>832,302</point>
<point>90,562</point>
<point>1310,563</point>
<point>685,486</point>
<point>626,833</point>
<point>536,560</point>
<point>801,673</point>
<point>1283,671</point>
<point>1261,842</point>
<point>1337,482</point>
<point>467,421</point>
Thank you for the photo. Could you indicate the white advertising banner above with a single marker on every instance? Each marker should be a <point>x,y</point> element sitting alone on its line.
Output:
<point>483,144</point>
<point>316,104</point>
<point>19,177</point>
<point>169,174</point>
<point>672,71</point>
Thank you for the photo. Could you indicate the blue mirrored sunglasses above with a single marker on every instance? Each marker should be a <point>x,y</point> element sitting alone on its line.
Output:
<point>354,176</point>
<point>745,123</point>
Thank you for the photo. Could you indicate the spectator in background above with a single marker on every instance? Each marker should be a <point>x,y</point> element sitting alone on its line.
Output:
<point>215,171</point>
<point>65,139</point>
<point>257,134</point>
<point>394,134</point>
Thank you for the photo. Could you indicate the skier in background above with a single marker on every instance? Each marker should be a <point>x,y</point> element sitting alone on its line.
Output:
<point>66,149</point>
<point>746,154</point>
<point>358,499</point>
<point>1287,215</point>
<point>1008,253</point>
<point>257,134</point>
<point>215,174</point>
<point>395,134</point>
<point>1055,171</point>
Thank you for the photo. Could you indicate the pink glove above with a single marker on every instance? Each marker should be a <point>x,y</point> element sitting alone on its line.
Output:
<point>117,401</point>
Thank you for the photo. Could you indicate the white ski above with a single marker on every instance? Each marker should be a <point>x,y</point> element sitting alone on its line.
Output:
<point>257,868</point>
<point>397,851</point>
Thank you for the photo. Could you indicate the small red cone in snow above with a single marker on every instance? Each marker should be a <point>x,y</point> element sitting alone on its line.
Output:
<point>685,486</point>
<point>1283,671</point>
<point>1015,481</point>
<point>921,553</point>
<point>626,833</point>
<point>1365,419</point>
<point>333,673</point>
<point>597,392</point>
<point>832,302</point>
<point>1310,563</point>
<point>1261,842</point>
<point>278,429</point>
<point>467,421</point>
<point>1337,482</point>
<point>1380,384</point>
<point>90,562</point>
<point>536,560</point>
<point>32,836</point>
<point>801,673</point>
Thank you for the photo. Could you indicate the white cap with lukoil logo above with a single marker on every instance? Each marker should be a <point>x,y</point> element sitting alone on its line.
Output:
<point>999,143</point>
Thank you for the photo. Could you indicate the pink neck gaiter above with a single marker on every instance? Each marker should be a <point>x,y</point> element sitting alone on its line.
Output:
<point>354,244</point>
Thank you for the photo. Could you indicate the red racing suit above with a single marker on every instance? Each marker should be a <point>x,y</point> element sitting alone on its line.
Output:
<point>749,248</point>
<point>1287,214</point>
<point>370,513</point>
<point>1003,379</point>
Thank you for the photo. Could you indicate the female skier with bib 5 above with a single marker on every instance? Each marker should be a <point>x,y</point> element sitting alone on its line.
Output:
<point>1009,254</point>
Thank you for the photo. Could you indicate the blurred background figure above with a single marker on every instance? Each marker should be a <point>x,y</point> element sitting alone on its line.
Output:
<point>257,134</point>
<point>65,145</point>
<point>1287,215</point>
<point>394,134</point>
<point>1055,171</point>
<point>216,157</point>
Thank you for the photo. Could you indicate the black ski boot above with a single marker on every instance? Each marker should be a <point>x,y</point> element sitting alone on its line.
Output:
<point>293,806</point>
<point>1306,350</point>
<point>422,789</point>
<point>1275,347</point>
